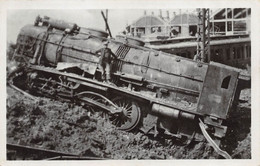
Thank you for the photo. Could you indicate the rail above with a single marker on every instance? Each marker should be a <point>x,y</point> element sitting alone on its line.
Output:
<point>21,152</point>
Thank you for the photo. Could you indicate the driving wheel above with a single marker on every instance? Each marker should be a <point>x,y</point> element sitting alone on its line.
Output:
<point>130,115</point>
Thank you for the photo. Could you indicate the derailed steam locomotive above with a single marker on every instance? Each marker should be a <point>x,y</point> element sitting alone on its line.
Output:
<point>156,92</point>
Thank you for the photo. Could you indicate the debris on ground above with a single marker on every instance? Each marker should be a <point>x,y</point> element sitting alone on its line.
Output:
<point>54,125</point>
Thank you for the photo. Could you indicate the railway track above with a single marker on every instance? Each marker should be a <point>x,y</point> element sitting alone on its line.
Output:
<point>21,152</point>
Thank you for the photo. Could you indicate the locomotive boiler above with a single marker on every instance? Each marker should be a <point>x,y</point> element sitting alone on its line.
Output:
<point>155,92</point>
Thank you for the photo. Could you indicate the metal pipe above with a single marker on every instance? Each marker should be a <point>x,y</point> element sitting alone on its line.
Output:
<point>162,110</point>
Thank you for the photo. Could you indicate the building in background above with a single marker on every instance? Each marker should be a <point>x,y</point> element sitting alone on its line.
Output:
<point>183,25</point>
<point>148,24</point>
<point>224,21</point>
<point>230,39</point>
<point>231,21</point>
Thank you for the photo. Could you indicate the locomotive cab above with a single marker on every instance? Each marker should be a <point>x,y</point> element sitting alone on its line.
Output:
<point>218,96</point>
<point>218,91</point>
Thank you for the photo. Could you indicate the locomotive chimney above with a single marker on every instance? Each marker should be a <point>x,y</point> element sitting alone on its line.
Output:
<point>145,12</point>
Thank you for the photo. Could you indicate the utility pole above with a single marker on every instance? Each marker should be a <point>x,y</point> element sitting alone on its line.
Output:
<point>203,36</point>
<point>106,18</point>
<point>107,26</point>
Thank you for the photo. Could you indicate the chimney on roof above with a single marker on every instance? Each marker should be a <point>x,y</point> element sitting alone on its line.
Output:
<point>160,13</point>
<point>144,12</point>
<point>152,13</point>
<point>168,15</point>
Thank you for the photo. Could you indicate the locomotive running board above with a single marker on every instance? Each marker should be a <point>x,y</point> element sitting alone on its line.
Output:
<point>115,88</point>
<point>211,142</point>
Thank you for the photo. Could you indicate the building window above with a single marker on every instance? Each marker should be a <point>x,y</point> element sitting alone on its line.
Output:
<point>234,53</point>
<point>153,29</point>
<point>247,52</point>
<point>193,30</point>
<point>238,52</point>
<point>220,15</point>
<point>159,29</point>
<point>217,57</point>
<point>228,53</point>
<point>243,53</point>
<point>211,55</point>
<point>221,55</point>
<point>225,82</point>
<point>240,25</point>
<point>240,13</point>
<point>156,29</point>
<point>229,13</point>
<point>140,32</point>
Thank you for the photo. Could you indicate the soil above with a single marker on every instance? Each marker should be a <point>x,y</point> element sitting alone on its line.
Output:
<point>54,125</point>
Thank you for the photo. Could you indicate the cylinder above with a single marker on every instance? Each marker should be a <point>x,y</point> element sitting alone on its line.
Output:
<point>165,111</point>
<point>186,115</point>
<point>171,112</point>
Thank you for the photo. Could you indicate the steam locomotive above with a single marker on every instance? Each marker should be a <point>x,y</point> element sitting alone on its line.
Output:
<point>156,92</point>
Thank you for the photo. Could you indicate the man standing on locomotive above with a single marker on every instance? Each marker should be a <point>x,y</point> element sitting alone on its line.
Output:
<point>105,62</point>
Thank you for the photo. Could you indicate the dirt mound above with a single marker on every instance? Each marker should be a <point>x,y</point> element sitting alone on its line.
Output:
<point>69,128</point>
<point>243,149</point>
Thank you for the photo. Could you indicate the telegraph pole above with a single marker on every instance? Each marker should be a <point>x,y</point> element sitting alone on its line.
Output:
<point>106,19</point>
<point>203,36</point>
<point>106,22</point>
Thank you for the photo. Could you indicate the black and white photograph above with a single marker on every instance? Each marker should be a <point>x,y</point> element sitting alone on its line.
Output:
<point>103,83</point>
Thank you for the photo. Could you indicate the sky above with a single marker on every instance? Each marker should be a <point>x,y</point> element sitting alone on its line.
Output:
<point>118,19</point>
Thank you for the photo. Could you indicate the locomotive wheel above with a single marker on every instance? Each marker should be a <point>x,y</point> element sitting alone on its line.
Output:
<point>130,116</point>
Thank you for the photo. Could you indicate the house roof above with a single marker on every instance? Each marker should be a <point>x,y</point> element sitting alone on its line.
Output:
<point>184,19</point>
<point>148,20</point>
